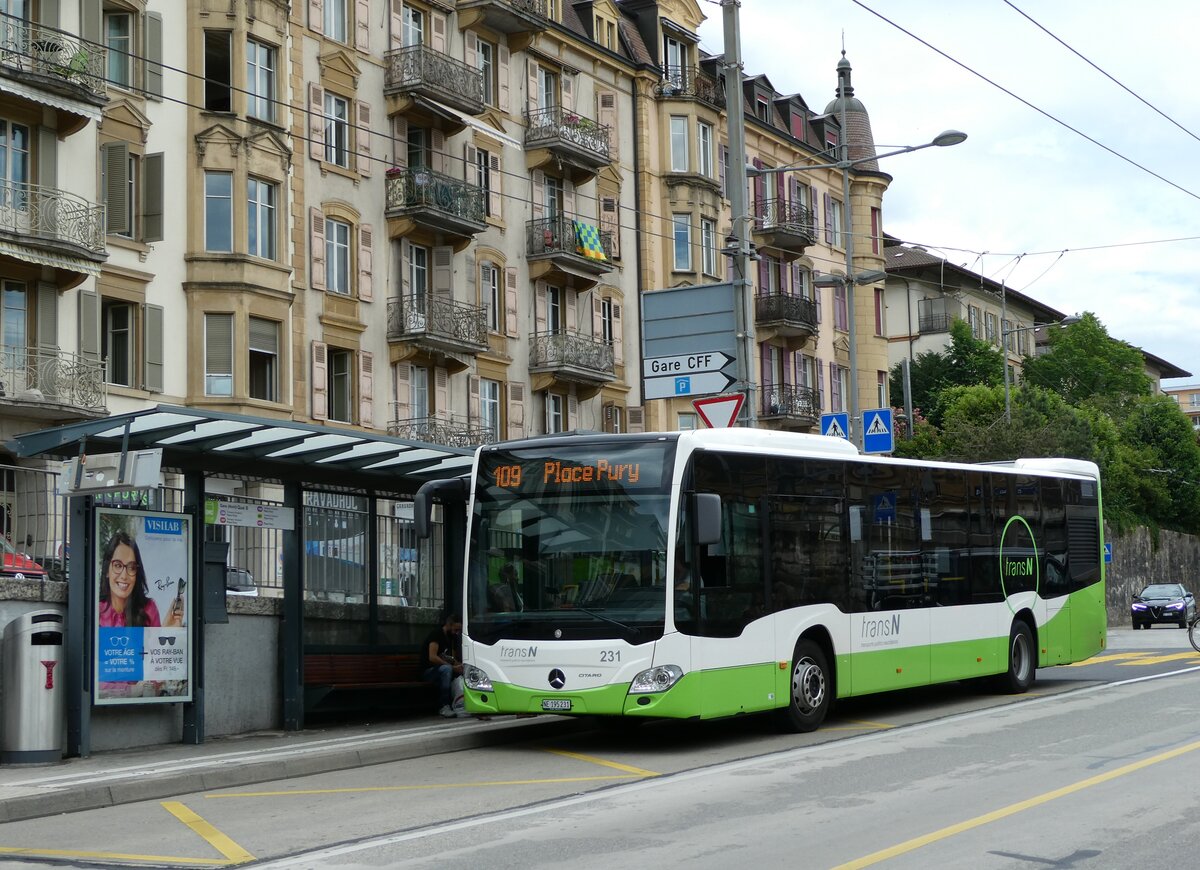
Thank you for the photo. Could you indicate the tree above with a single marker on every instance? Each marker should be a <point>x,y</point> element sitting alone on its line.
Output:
<point>966,362</point>
<point>1085,366</point>
<point>1158,432</point>
<point>975,428</point>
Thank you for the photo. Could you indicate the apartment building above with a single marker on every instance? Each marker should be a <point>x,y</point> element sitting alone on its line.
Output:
<point>1188,399</point>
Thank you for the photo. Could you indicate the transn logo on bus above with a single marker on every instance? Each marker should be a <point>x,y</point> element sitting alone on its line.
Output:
<point>518,652</point>
<point>885,627</point>
<point>1018,567</point>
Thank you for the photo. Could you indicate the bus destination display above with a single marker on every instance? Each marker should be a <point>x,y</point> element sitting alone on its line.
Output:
<point>625,469</point>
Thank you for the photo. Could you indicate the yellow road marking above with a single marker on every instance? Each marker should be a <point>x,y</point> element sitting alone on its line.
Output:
<point>615,765</point>
<point>1103,660</point>
<point>1158,660</point>
<point>111,856</point>
<point>1013,809</point>
<point>219,841</point>
<point>424,787</point>
<point>856,725</point>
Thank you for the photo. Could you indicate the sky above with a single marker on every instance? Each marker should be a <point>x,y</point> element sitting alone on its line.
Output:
<point>1023,189</point>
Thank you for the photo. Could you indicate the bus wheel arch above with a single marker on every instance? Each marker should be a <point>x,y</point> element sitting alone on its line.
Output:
<point>811,686</point>
<point>1021,655</point>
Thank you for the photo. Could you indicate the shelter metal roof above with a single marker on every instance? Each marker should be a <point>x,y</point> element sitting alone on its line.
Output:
<point>196,439</point>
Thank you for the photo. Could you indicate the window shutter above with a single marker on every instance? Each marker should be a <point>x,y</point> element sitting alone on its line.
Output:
<point>470,161</point>
<point>495,185</point>
<point>471,49</point>
<point>516,409</point>
<point>797,280</point>
<point>47,162</point>
<point>539,307</point>
<point>610,223</point>
<point>264,335</point>
<point>366,389</point>
<point>723,161</point>
<point>635,419</point>
<point>320,394</point>
<point>472,274</point>
<point>92,12</point>
<point>572,321</point>
<point>572,412</point>
<point>365,242</point>
<point>152,198</point>
<point>505,97</point>
<point>152,348</point>
<point>89,325</point>
<point>764,276</point>
<point>396,18</point>
<point>437,148</point>
<point>531,83</point>
<point>399,141</point>
<point>316,17</point>
<point>443,272</point>
<point>116,187</point>
<point>606,111</point>
<point>153,71</point>
<point>766,376</point>
<point>473,405</point>
<point>316,122</point>
<point>568,91</point>
<point>317,248</point>
<point>47,316</point>
<point>788,360</point>
<point>618,339</point>
<point>568,189</point>
<point>362,25</point>
<point>362,138</point>
<point>537,184</point>
<point>403,391</point>
<point>828,201</point>
<point>441,392</point>
<point>437,26</point>
<point>818,292</point>
<point>597,316</point>
<point>510,301</point>
<point>821,385</point>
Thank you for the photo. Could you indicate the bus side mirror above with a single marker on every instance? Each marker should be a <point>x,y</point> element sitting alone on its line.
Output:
<point>453,489</point>
<point>706,508</point>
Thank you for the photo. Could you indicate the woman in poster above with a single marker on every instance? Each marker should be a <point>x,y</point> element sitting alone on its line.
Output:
<point>125,594</point>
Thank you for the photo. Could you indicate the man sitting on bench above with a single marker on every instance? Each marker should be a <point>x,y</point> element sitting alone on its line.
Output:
<point>440,658</point>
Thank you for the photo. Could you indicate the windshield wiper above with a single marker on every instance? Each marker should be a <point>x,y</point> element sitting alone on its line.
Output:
<point>629,628</point>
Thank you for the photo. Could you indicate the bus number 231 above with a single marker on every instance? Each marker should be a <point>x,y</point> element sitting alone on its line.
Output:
<point>610,655</point>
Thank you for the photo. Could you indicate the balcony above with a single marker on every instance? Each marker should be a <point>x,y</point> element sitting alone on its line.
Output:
<point>566,357</point>
<point>52,227</point>
<point>558,136</point>
<point>519,20</point>
<point>448,431</point>
<point>451,211</point>
<point>563,250</point>
<point>418,73</point>
<point>784,226</point>
<point>51,385</point>
<point>933,323</point>
<point>442,329</point>
<point>689,83</point>
<point>790,407</point>
<point>54,68</point>
<point>782,315</point>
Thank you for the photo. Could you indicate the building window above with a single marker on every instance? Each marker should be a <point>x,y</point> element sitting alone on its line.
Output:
<point>337,20</point>
<point>552,196</point>
<point>839,385</point>
<point>118,344</point>
<point>418,392</point>
<point>218,211</point>
<point>489,291</point>
<point>681,231</point>
<point>260,218</point>
<point>485,60</point>
<point>339,384</point>
<point>418,148</point>
<point>688,421</point>
<point>841,315</point>
<point>675,53</point>
<point>835,222</point>
<point>14,319</point>
<point>606,321</point>
<point>218,354</point>
<point>418,274</point>
<point>679,144</point>
<point>337,130</point>
<point>118,38</point>
<point>14,165</point>
<point>989,326</point>
<point>218,70</point>
<point>263,365</point>
<point>260,81</point>
<point>483,178</point>
<point>880,309</point>
<point>881,397</point>
<point>412,27</point>
<point>547,89</point>
<point>704,144</point>
<point>708,245</point>
<point>554,413</point>
<point>554,309</point>
<point>762,108</point>
<point>973,320</point>
<point>489,408</point>
<point>337,257</point>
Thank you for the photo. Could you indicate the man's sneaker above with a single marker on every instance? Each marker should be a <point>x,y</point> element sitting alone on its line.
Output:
<point>462,714</point>
<point>446,711</point>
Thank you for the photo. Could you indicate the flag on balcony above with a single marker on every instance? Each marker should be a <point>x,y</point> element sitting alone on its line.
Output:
<point>587,241</point>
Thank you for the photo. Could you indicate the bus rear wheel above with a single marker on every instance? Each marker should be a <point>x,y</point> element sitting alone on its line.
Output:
<point>1021,660</point>
<point>811,689</point>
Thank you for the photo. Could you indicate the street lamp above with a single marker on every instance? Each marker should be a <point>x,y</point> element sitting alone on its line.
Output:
<point>1004,334</point>
<point>942,140</point>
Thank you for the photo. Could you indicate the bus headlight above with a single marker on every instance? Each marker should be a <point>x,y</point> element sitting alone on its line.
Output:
<point>657,679</point>
<point>477,679</point>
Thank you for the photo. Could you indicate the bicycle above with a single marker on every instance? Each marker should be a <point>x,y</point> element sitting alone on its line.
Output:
<point>1194,632</point>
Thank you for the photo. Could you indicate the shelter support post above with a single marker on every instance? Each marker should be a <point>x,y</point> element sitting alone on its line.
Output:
<point>79,620</point>
<point>193,506</point>
<point>292,631</point>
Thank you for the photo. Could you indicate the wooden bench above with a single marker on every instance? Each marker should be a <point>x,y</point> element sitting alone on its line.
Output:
<point>356,674</point>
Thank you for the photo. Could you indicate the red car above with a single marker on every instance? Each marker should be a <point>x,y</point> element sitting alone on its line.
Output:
<point>17,565</point>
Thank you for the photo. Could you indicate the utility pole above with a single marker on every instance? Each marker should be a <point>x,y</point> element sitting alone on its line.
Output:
<point>736,182</point>
<point>856,427</point>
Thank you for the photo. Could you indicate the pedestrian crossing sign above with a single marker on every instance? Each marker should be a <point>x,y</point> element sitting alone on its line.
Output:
<point>878,434</point>
<point>836,425</point>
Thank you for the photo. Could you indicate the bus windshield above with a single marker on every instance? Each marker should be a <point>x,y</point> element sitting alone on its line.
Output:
<point>570,542</point>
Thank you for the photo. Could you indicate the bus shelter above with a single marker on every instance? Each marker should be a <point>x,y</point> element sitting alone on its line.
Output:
<point>325,513</point>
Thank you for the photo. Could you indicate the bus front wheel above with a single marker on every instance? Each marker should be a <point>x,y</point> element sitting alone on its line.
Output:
<point>1021,660</point>
<point>811,689</point>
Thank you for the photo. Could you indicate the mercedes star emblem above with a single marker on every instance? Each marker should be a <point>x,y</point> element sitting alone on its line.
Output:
<point>557,679</point>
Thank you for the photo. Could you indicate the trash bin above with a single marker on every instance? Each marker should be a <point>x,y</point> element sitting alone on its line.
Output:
<point>32,655</point>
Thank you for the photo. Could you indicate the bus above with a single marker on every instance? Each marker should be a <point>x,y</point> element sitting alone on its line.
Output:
<point>713,573</point>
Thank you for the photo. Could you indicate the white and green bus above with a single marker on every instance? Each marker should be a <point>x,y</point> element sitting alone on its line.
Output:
<point>713,573</point>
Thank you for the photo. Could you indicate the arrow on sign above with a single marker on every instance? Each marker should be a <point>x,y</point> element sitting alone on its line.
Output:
<point>676,386</point>
<point>685,364</point>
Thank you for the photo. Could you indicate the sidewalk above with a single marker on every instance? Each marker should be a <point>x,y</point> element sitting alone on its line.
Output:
<point>130,775</point>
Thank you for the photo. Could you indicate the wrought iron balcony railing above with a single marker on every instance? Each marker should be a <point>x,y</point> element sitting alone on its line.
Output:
<point>553,349</point>
<point>52,377</point>
<point>419,67</point>
<point>447,431</point>
<point>408,189</point>
<point>562,235</point>
<point>790,217</point>
<point>789,400</point>
<point>559,125</point>
<point>689,83</point>
<point>927,323</point>
<point>49,51</point>
<point>775,307</point>
<point>426,315</point>
<point>52,214</point>
<point>506,10</point>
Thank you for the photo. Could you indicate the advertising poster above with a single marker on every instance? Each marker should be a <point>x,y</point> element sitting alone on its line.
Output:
<point>143,607</point>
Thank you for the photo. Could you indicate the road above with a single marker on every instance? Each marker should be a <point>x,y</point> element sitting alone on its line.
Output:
<point>1093,769</point>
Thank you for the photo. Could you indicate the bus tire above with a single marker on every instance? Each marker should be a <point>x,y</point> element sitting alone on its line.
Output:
<point>811,691</point>
<point>1021,661</point>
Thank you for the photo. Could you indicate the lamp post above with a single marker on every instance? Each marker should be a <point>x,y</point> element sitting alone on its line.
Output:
<point>1004,334</point>
<point>942,140</point>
